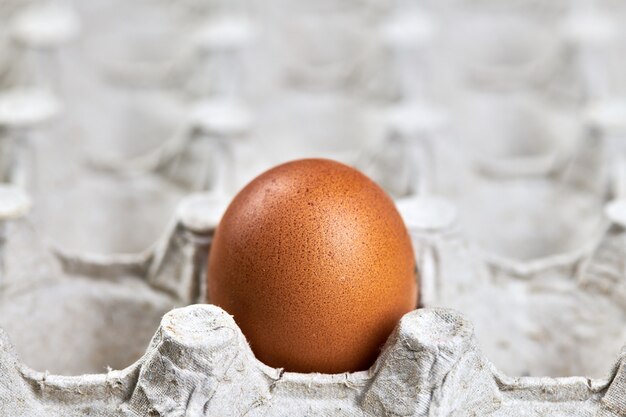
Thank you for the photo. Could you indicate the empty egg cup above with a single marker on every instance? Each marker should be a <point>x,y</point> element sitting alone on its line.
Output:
<point>101,310</point>
<point>558,314</point>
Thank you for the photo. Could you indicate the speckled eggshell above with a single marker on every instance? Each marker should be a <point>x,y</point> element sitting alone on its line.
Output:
<point>315,264</point>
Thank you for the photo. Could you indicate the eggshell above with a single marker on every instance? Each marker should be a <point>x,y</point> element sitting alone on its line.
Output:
<point>316,266</point>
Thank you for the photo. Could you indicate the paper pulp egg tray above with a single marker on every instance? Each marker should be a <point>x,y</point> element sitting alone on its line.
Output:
<point>90,343</point>
<point>134,335</point>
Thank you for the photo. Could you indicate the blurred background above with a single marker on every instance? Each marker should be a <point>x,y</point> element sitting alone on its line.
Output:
<point>130,106</point>
<point>506,118</point>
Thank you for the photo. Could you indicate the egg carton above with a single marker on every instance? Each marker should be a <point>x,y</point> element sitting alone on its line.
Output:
<point>118,301</point>
<point>98,311</point>
<point>525,284</point>
<point>462,270</point>
<point>199,363</point>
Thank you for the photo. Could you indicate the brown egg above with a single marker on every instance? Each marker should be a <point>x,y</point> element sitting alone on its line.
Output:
<point>316,266</point>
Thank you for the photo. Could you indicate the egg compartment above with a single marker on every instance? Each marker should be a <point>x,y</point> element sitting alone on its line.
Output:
<point>75,313</point>
<point>559,315</point>
<point>534,217</point>
<point>541,255</point>
<point>199,363</point>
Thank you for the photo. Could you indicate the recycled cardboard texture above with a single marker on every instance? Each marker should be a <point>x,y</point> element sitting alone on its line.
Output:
<point>72,314</point>
<point>199,363</point>
<point>558,316</point>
